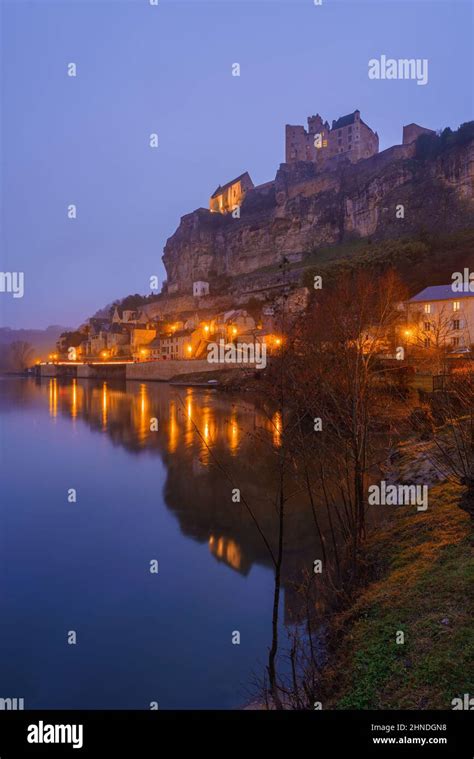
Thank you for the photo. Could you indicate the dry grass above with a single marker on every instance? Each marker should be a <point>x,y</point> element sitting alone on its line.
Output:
<point>421,571</point>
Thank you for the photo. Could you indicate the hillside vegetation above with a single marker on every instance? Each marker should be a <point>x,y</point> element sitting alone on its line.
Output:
<point>426,260</point>
<point>423,586</point>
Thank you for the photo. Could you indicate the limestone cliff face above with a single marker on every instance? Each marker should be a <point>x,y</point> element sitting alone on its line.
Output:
<point>304,209</point>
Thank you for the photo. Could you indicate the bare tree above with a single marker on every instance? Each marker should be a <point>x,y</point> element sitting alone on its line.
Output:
<point>453,436</point>
<point>329,380</point>
<point>435,334</point>
<point>20,356</point>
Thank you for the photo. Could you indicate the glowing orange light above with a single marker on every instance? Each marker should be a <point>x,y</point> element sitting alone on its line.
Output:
<point>277,426</point>
<point>104,405</point>
<point>173,429</point>
<point>74,399</point>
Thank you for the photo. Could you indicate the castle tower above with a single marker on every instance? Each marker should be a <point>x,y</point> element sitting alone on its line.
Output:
<point>349,136</point>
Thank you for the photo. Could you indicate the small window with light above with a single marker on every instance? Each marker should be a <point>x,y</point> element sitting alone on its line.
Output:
<point>456,305</point>
<point>427,308</point>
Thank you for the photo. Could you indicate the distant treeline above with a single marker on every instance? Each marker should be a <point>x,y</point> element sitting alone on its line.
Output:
<point>16,356</point>
<point>17,345</point>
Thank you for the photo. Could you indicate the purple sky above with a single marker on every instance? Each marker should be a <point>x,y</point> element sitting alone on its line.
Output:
<point>167,69</point>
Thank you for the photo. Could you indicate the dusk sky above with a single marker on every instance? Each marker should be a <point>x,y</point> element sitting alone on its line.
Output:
<point>167,69</point>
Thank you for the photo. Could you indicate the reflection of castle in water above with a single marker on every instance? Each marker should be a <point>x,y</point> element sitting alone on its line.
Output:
<point>201,436</point>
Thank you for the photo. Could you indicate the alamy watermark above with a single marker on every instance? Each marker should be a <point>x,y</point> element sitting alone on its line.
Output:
<point>466,702</point>
<point>12,704</point>
<point>398,495</point>
<point>399,68</point>
<point>237,353</point>
<point>12,282</point>
<point>46,733</point>
<point>463,282</point>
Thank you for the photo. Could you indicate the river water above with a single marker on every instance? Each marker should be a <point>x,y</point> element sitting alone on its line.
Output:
<point>78,563</point>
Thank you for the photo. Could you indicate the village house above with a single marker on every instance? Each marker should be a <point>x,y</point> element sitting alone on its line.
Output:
<point>106,341</point>
<point>117,341</point>
<point>140,339</point>
<point>126,316</point>
<point>439,317</point>
<point>189,337</point>
<point>235,322</point>
<point>95,340</point>
<point>105,338</point>
<point>173,345</point>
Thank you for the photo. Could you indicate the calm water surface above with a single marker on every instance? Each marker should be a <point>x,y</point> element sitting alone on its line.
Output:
<point>141,495</point>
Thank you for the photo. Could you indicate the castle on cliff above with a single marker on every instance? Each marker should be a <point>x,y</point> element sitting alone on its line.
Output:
<point>348,135</point>
<point>348,139</point>
<point>354,191</point>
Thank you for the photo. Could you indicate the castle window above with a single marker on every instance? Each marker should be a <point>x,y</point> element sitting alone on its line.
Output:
<point>427,308</point>
<point>456,324</point>
<point>456,305</point>
<point>427,342</point>
<point>455,341</point>
<point>427,326</point>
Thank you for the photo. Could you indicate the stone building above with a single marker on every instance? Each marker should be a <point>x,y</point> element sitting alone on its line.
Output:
<point>228,197</point>
<point>411,132</point>
<point>200,288</point>
<point>117,342</point>
<point>348,136</point>
<point>124,316</point>
<point>174,345</point>
<point>140,339</point>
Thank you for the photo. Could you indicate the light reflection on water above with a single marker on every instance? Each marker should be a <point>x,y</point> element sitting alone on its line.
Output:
<point>142,491</point>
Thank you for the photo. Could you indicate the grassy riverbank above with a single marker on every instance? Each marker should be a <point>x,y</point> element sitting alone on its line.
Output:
<point>420,579</point>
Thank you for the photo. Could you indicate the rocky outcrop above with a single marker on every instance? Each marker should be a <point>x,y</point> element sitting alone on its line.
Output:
<point>389,195</point>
